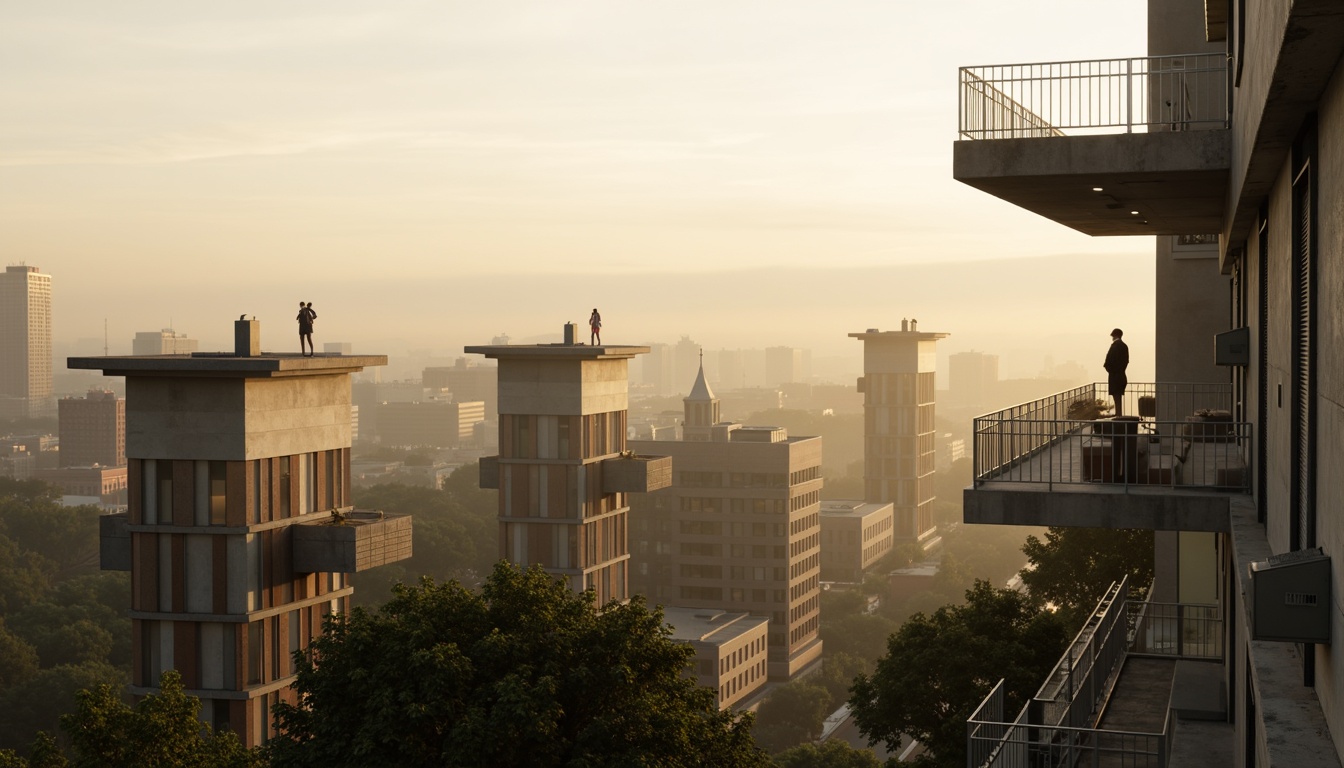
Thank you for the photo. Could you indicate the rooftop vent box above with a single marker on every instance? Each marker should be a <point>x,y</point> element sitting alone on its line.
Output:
<point>1232,347</point>
<point>1290,597</point>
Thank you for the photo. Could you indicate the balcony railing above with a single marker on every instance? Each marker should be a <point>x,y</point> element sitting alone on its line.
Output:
<point>1179,436</point>
<point>1152,93</point>
<point>1058,725</point>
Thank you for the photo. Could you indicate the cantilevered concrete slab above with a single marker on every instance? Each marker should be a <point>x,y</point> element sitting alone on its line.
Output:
<point>1175,180</point>
<point>1102,506</point>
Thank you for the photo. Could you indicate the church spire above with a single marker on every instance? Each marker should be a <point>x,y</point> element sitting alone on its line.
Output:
<point>701,406</point>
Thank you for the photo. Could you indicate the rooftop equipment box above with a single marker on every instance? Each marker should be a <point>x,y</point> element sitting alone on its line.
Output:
<point>1232,347</point>
<point>1290,597</point>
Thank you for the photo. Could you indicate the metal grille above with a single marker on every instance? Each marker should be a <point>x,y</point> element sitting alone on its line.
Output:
<point>1303,458</point>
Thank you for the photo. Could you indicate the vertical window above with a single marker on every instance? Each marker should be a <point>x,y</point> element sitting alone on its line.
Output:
<point>165,491</point>
<point>284,487</point>
<point>217,486</point>
<point>254,653</point>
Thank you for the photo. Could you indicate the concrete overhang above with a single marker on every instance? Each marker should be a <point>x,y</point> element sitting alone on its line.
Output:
<point>1154,509</point>
<point>223,365</point>
<point>1175,180</point>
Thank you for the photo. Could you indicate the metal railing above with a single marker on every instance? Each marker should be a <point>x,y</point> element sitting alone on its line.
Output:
<point>1182,437</point>
<point>1150,93</point>
<point>1057,726</point>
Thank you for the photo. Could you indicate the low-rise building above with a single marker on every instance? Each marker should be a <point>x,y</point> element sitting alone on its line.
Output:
<point>855,535</point>
<point>730,650</point>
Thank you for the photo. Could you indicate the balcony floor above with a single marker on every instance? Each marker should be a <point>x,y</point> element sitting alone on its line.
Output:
<point>1049,489</point>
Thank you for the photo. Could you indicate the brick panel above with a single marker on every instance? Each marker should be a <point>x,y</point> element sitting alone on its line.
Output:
<point>219,570</point>
<point>184,492</point>
<point>237,494</point>
<point>135,494</point>
<point>178,542</point>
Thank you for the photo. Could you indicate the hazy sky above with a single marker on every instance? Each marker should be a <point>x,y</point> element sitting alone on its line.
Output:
<point>433,173</point>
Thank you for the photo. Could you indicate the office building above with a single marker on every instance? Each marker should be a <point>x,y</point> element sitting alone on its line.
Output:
<point>898,433</point>
<point>783,365</point>
<point>435,423</point>
<point>105,486</point>
<point>730,650</point>
<point>164,342</point>
<point>25,344</point>
<point>236,466</point>
<point>1226,150</point>
<point>972,378</point>
<point>468,382</point>
<point>92,430</point>
<point>738,530</point>
<point>563,471</point>
<point>855,536</point>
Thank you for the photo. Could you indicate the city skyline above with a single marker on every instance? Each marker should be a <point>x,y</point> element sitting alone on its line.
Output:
<point>357,158</point>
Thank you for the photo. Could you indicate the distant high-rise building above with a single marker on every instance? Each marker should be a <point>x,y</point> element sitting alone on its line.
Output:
<point>439,423</point>
<point>738,530</point>
<point>899,439</point>
<point>25,343</point>
<point>783,365</point>
<point>563,473</point>
<point>337,348</point>
<point>164,342</point>
<point>972,377</point>
<point>93,430</point>
<point>468,382</point>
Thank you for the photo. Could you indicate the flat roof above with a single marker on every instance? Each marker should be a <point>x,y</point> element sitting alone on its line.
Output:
<point>227,364</point>
<point>709,625</point>
<point>851,507</point>
<point>561,351</point>
<point>876,335</point>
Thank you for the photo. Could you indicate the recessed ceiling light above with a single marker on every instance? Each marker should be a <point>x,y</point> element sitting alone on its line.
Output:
<point>1096,189</point>
<point>1133,213</point>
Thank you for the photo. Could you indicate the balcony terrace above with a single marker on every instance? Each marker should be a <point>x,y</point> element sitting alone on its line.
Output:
<point>1135,672</point>
<point>1136,146</point>
<point>1174,464</point>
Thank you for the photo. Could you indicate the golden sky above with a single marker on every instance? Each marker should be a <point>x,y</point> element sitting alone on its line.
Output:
<point>186,162</point>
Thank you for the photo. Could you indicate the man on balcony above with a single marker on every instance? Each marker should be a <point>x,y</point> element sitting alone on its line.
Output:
<point>1117,360</point>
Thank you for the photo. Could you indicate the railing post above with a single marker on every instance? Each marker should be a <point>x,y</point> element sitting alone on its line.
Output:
<point>1129,95</point>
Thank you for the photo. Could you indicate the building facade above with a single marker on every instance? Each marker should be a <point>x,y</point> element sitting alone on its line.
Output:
<point>434,423</point>
<point>235,466</point>
<point>855,536</point>
<point>164,342</point>
<point>25,343</point>
<point>738,530</point>
<point>1240,107</point>
<point>898,429</point>
<point>92,430</point>
<point>563,471</point>
<point>730,650</point>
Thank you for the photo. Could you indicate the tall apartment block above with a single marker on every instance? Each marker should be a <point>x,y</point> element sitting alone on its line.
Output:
<point>1228,151</point>
<point>563,472</point>
<point>164,342</point>
<point>898,431</point>
<point>238,464</point>
<point>25,343</point>
<point>739,529</point>
<point>92,430</point>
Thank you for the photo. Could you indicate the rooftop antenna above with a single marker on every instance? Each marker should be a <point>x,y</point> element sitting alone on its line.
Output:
<point>104,337</point>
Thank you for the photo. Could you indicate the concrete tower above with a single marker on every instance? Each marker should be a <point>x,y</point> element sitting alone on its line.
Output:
<point>239,534</point>
<point>25,343</point>
<point>898,434</point>
<point>563,472</point>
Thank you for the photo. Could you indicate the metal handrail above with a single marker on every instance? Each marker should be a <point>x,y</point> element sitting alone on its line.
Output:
<point>1149,93</point>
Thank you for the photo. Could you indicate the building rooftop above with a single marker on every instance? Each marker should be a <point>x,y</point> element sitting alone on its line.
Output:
<point>560,351</point>
<point>851,507</point>
<point>708,625</point>
<point>873,334</point>
<point>227,364</point>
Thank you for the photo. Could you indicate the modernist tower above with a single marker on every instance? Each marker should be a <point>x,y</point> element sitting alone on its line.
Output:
<point>562,477</point>
<point>25,343</point>
<point>239,534</point>
<point>739,530</point>
<point>898,432</point>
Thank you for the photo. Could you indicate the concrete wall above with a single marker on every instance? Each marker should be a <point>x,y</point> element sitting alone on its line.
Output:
<point>236,419</point>
<point>562,387</point>
<point>1193,302</point>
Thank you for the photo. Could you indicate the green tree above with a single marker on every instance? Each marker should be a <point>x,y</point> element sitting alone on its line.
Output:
<point>37,703</point>
<point>792,714</point>
<point>860,635</point>
<point>828,754</point>
<point>1073,567</point>
<point>162,729</point>
<point>938,668</point>
<point>523,672</point>
<point>838,673</point>
<point>18,659</point>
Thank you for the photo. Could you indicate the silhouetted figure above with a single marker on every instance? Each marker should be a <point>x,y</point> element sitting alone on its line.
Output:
<point>1117,360</point>
<point>306,318</point>
<point>595,327</point>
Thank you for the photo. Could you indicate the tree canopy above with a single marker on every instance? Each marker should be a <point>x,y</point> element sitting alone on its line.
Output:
<point>939,667</point>
<point>1073,567</point>
<point>525,671</point>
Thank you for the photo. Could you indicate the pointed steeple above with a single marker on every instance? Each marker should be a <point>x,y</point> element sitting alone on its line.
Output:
<point>701,407</point>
